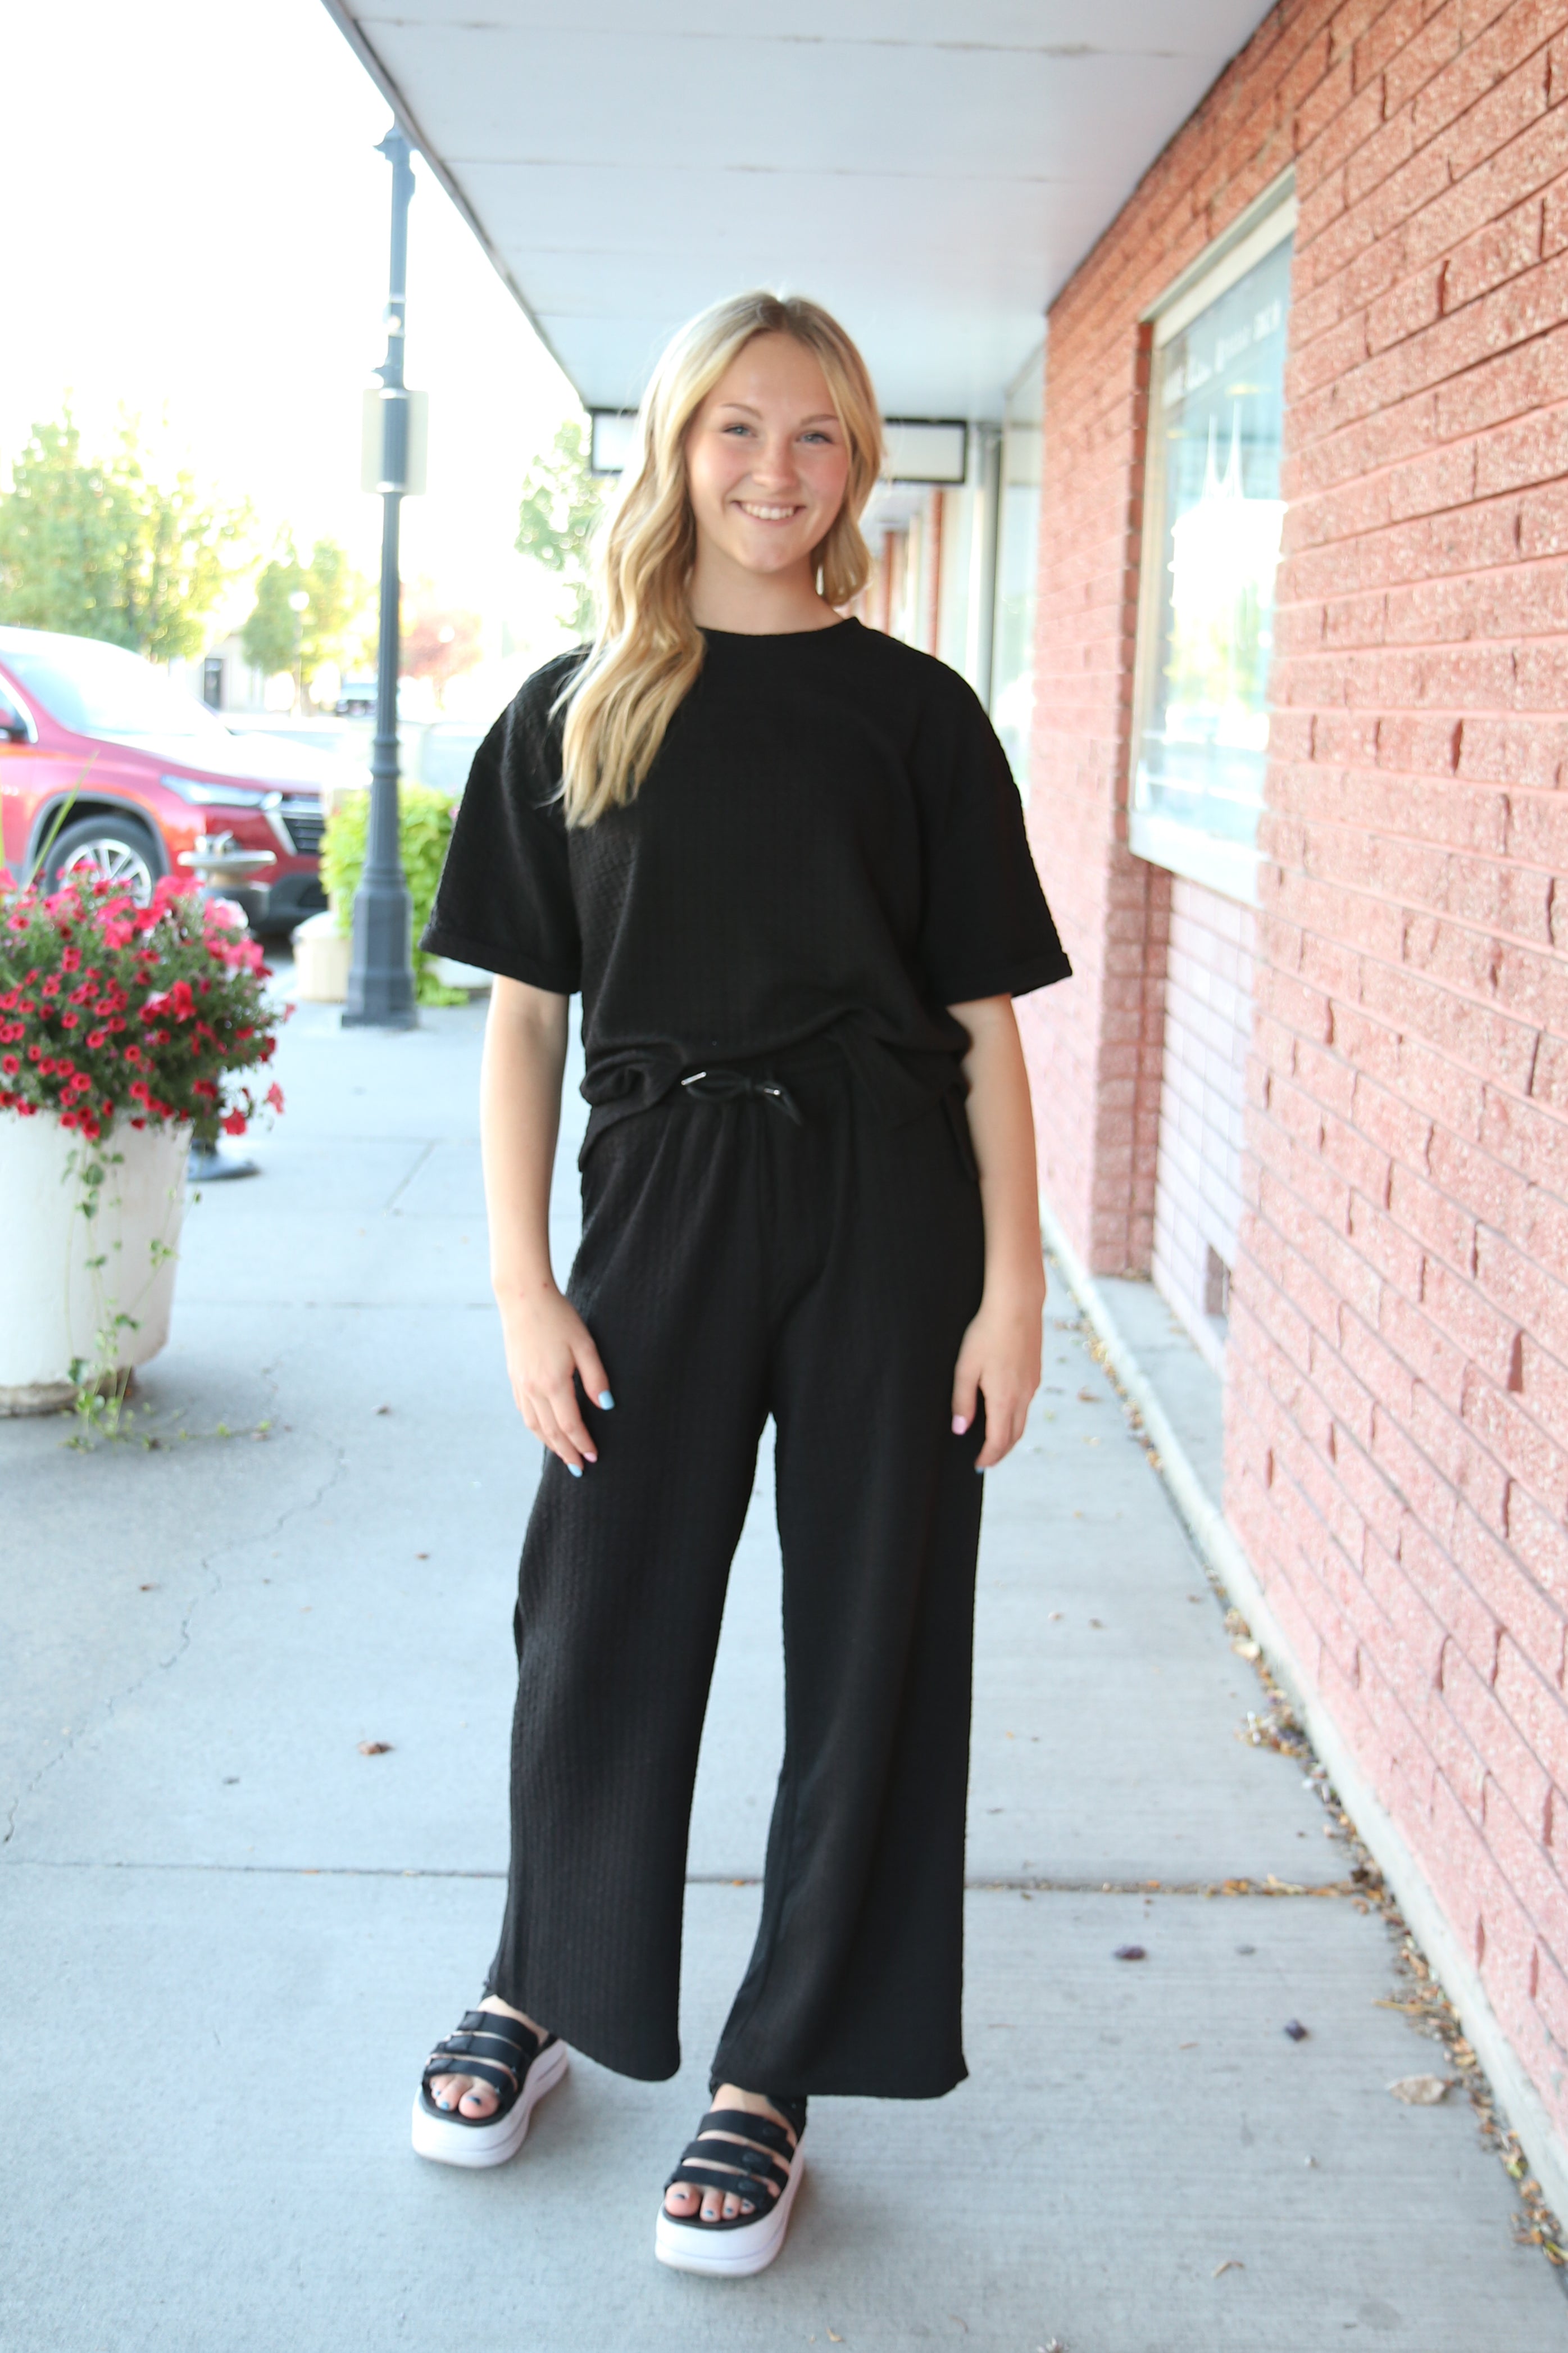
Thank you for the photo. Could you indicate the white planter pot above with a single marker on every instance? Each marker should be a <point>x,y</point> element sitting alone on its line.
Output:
<point>53,1300</point>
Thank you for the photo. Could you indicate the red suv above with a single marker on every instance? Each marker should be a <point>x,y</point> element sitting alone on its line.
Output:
<point>147,772</point>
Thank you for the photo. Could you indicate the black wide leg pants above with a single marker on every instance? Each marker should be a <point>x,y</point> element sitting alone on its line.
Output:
<point>734,1264</point>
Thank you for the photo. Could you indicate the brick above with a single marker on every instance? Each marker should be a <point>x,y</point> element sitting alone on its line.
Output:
<point>1538,1541</point>
<point>1505,1756</point>
<point>1493,1567</point>
<point>1397,1425</point>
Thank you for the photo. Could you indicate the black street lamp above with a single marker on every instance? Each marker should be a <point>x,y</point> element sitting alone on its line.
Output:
<point>381,971</point>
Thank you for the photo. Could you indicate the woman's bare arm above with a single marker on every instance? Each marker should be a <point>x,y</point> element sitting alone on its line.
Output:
<point>519,1118</point>
<point>1000,1355</point>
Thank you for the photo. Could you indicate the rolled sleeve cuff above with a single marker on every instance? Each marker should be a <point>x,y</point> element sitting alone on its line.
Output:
<point>1020,978</point>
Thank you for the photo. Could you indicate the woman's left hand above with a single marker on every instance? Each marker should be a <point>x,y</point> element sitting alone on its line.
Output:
<point>999,1360</point>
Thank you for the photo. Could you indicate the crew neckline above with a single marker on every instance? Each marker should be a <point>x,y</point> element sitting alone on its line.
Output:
<point>778,637</point>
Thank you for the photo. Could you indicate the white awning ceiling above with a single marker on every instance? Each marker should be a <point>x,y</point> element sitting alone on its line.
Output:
<point>933,171</point>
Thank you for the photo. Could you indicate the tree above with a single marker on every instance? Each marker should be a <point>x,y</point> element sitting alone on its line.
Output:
<point>562,504</point>
<point>276,638</point>
<point>440,645</point>
<point>98,548</point>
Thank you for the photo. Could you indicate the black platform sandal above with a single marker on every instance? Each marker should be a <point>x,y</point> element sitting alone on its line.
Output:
<point>765,2183</point>
<point>517,2065</point>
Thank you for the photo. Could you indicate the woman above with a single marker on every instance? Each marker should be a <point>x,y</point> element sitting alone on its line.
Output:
<point>781,857</point>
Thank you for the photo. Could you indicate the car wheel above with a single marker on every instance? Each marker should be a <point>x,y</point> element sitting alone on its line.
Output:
<point>120,847</point>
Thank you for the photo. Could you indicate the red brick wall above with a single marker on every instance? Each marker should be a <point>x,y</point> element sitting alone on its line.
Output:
<point>1397,1391</point>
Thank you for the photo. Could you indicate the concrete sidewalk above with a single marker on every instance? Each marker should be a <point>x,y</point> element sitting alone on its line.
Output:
<point>229,1938</point>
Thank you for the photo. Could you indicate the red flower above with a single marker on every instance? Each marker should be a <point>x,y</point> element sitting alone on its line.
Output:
<point>234,1122</point>
<point>10,1064</point>
<point>96,1036</point>
<point>71,960</point>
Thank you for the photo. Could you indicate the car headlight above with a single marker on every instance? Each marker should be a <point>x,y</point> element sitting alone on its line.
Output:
<point>206,796</point>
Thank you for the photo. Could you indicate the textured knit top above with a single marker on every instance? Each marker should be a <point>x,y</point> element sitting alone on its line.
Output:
<point>830,841</point>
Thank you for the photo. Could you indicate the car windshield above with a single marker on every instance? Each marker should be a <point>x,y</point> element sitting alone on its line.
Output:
<point>100,689</point>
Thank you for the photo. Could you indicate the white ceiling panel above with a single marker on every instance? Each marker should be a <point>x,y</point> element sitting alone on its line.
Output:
<point>933,172</point>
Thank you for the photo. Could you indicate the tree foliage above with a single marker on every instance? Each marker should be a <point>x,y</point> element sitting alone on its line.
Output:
<point>562,504</point>
<point>331,625</point>
<point>98,547</point>
<point>440,644</point>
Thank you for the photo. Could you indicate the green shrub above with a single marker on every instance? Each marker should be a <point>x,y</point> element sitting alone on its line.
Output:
<point>424,829</point>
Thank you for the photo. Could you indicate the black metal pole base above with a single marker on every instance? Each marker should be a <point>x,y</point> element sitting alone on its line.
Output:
<point>381,983</point>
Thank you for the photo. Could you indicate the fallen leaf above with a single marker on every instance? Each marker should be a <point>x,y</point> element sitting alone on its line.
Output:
<point>1295,2029</point>
<point>834,2339</point>
<point>1099,1622</point>
<point>383,1408</point>
<point>1131,1953</point>
<point>375,1747</point>
<point>421,1556</point>
<point>1420,2091</point>
<point>148,1588</point>
<point>1248,1650</point>
<point>1088,1397</point>
<point>1229,2264</point>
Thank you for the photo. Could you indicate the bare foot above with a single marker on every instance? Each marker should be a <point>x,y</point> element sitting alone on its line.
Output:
<point>683,2202</point>
<point>466,2093</point>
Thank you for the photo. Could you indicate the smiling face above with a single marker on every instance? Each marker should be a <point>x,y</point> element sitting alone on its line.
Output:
<point>766,462</point>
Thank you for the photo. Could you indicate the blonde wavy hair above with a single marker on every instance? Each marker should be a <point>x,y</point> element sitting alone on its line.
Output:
<point>647,652</point>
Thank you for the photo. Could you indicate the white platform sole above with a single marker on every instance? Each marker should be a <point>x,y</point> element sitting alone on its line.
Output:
<point>728,2254</point>
<point>476,2145</point>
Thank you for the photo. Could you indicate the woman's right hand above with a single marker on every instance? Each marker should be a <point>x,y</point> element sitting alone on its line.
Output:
<point>546,1343</point>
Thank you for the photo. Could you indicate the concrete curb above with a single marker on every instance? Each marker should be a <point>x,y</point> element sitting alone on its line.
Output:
<point>1211,1534</point>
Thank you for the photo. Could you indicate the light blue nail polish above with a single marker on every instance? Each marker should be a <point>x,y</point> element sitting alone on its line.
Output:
<point>980,1468</point>
<point>575,1469</point>
<point>606,1400</point>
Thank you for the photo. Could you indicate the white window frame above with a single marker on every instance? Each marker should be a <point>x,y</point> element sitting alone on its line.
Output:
<point>1228,866</point>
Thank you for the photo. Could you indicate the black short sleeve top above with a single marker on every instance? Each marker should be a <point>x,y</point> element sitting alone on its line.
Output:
<point>830,831</point>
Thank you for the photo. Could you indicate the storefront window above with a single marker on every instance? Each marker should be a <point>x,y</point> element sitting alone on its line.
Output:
<point>1017,560</point>
<point>1212,520</point>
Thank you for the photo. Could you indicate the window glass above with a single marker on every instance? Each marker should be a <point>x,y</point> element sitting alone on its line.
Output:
<point>1212,543</point>
<point>100,689</point>
<point>1017,560</point>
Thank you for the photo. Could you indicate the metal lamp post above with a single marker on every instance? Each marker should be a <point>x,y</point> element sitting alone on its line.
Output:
<point>381,973</point>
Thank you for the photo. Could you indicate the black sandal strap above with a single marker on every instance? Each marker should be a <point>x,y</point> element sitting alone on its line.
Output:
<point>496,2050</point>
<point>500,2079</point>
<point>734,2164</point>
<point>502,2030</point>
<point>699,2173</point>
<point>750,2127</point>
